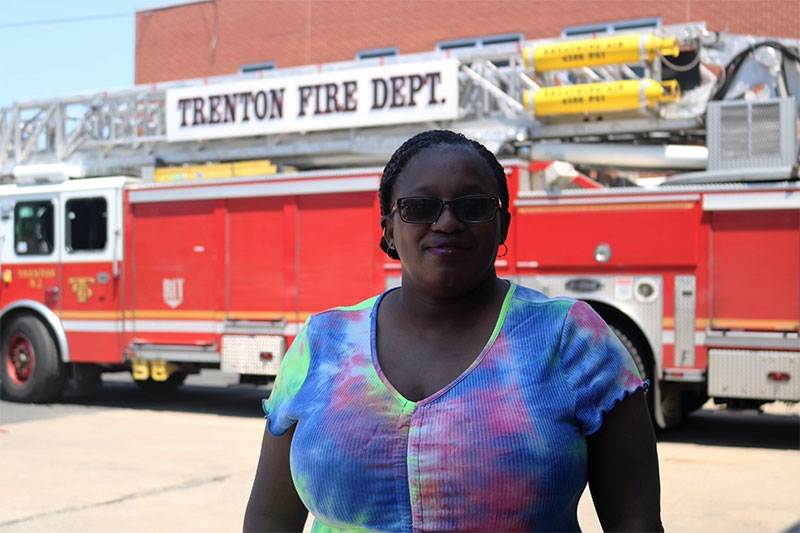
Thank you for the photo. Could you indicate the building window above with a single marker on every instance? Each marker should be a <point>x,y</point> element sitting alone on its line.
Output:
<point>612,27</point>
<point>257,67</point>
<point>479,42</point>
<point>378,52</point>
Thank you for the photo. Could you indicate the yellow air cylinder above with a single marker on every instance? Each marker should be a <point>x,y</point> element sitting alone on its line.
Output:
<point>600,97</point>
<point>600,51</point>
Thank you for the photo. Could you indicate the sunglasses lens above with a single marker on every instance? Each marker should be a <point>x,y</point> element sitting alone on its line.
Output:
<point>475,208</point>
<point>467,209</point>
<point>419,210</point>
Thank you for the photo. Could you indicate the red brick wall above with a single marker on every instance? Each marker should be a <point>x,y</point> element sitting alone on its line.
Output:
<point>217,37</point>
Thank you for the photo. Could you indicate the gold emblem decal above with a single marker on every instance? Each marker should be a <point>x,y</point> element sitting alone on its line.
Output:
<point>82,288</point>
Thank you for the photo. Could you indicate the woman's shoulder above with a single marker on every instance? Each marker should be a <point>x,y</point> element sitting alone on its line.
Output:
<point>528,295</point>
<point>345,313</point>
<point>534,305</point>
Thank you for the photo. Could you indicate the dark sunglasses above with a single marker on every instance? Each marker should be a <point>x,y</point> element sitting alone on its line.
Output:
<point>472,209</point>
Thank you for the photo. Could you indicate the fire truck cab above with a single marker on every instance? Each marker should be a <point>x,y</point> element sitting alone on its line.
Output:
<point>60,250</point>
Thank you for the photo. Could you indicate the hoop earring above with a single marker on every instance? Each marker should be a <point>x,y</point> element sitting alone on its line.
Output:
<point>505,250</point>
<point>389,246</point>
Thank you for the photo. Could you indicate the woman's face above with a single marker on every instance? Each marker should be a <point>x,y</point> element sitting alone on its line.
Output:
<point>447,257</point>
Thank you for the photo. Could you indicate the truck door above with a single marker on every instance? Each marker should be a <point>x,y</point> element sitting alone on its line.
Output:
<point>91,289</point>
<point>31,251</point>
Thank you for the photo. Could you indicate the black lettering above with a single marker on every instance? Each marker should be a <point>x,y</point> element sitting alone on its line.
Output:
<point>331,90</point>
<point>214,116</point>
<point>379,93</point>
<point>230,108</point>
<point>434,78</point>
<point>398,82</point>
<point>276,97</point>
<point>350,101</point>
<point>199,119</point>
<point>305,95</point>
<point>183,104</point>
<point>245,99</point>
<point>415,84</point>
<point>260,105</point>
<point>317,93</point>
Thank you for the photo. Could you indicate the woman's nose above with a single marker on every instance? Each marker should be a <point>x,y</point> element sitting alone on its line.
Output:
<point>447,219</point>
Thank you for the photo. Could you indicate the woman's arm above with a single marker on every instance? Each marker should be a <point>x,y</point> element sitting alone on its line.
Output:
<point>623,469</point>
<point>274,504</point>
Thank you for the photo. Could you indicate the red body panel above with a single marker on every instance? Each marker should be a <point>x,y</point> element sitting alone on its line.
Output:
<point>336,239</point>
<point>261,285</point>
<point>644,236</point>
<point>755,257</point>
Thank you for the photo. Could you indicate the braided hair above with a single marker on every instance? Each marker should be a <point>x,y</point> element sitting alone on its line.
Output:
<point>420,143</point>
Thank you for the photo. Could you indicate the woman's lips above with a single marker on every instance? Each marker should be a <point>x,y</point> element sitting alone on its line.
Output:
<point>447,248</point>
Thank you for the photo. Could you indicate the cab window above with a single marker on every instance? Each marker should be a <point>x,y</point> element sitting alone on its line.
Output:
<point>33,228</point>
<point>86,224</point>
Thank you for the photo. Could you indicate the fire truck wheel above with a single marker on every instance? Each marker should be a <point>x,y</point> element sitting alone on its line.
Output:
<point>172,383</point>
<point>645,366</point>
<point>31,370</point>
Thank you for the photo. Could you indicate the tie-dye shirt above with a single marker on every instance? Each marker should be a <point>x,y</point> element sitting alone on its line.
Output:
<point>501,448</point>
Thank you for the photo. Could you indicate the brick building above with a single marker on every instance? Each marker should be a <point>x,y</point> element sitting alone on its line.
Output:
<point>223,37</point>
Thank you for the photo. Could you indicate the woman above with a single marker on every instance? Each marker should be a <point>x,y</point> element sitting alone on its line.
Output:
<point>459,401</point>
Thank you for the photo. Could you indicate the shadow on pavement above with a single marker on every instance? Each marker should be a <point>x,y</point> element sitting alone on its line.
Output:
<point>207,394</point>
<point>746,429</point>
<point>219,398</point>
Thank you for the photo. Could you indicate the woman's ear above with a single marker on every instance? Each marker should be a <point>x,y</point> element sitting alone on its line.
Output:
<point>387,225</point>
<point>505,222</point>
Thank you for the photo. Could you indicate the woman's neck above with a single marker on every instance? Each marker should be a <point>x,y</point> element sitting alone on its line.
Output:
<point>461,309</point>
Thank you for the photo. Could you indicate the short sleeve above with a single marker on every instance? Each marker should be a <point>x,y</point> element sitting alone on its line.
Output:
<point>598,368</point>
<point>281,406</point>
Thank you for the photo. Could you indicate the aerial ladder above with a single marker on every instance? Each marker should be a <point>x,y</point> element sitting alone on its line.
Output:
<point>635,100</point>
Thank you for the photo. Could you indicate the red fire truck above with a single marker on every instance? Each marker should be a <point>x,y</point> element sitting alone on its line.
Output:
<point>169,229</point>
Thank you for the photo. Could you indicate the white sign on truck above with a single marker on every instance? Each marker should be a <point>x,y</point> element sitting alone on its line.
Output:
<point>372,96</point>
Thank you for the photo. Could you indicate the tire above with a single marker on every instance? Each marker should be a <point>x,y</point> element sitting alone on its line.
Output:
<point>643,364</point>
<point>693,400</point>
<point>677,402</point>
<point>31,370</point>
<point>173,382</point>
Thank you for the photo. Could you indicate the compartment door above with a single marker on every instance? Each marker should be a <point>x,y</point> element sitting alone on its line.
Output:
<point>175,286</point>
